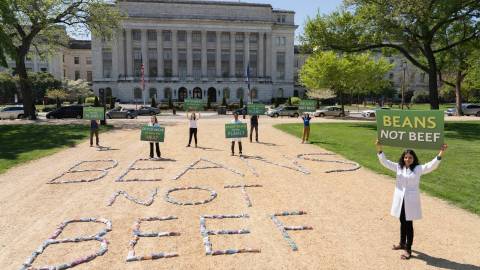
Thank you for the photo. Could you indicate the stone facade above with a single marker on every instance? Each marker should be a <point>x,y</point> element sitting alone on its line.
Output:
<point>197,49</point>
<point>77,61</point>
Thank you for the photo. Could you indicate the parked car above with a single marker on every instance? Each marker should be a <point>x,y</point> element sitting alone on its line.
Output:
<point>241,111</point>
<point>331,111</point>
<point>74,111</point>
<point>11,112</point>
<point>471,109</point>
<point>282,110</point>
<point>451,111</point>
<point>120,112</point>
<point>147,110</point>
<point>371,113</point>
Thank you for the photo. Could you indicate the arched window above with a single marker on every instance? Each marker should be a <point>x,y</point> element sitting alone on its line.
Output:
<point>167,93</point>
<point>109,92</point>
<point>137,93</point>
<point>152,93</point>
<point>182,94</point>
<point>280,92</point>
<point>295,93</point>
<point>240,93</point>
<point>254,93</point>
<point>197,93</point>
<point>226,93</point>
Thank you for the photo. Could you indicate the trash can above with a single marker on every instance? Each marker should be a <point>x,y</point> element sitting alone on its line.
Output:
<point>222,110</point>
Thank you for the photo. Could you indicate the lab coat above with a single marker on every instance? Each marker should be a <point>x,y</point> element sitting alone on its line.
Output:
<point>407,187</point>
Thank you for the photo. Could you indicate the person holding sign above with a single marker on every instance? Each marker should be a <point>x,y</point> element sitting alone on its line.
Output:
<point>254,125</point>
<point>193,127</point>
<point>306,127</point>
<point>94,130</point>
<point>236,121</point>
<point>406,198</point>
<point>154,123</point>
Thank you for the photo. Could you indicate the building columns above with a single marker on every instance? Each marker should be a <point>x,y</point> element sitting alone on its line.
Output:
<point>261,55</point>
<point>246,55</point>
<point>174,54</point>
<point>144,53</point>
<point>189,55</point>
<point>218,57</point>
<point>160,54</point>
<point>204,54</point>
<point>129,53</point>
<point>268,58</point>
<point>232,54</point>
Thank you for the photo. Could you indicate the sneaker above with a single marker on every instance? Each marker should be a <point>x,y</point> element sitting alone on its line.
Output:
<point>188,145</point>
<point>233,154</point>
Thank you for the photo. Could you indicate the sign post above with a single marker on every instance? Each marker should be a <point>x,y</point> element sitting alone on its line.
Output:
<point>152,134</point>
<point>236,130</point>
<point>410,129</point>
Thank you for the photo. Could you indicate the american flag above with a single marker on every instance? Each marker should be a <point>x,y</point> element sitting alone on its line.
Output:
<point>142,72</point>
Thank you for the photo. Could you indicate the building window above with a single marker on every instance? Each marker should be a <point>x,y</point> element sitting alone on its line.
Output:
<point>43,69</point>
<point>182,64</point>
<point>167,35</point>
<point>107,63</point>
<point>89,76</point>
<point>279,19</point>
<point>226,93</point>
<point>284,18</point>
<point>137,93</point>
<point>152,93</point>
<point>137,62</point>
<point>152,62</point>
<point>239,38</point>
<point>422,77</point>
<point>239,68</point>
<point>196,36</point>
<point>280,92</point>
<point>151,35</point>
<point>225,63</point>
<point>182,36</point>
<point>211,37</point>
<point>76,60</point>
<point>77,75</point>
<point>281,41</point>
<point>136,35</point>
<point>167,93</point>
<point>64,73</point>
<point>167,62</point>
<point>211,63</point>
<point>253,63</point>
<point>240,93</point>
<point>281,65</point>
<point>197,64</point>
<point>88,60</point>
<point>253,39</point>
<point>225,38</point>
<point>63,58</point>
<point>254,93</point>
<point>197,93</point>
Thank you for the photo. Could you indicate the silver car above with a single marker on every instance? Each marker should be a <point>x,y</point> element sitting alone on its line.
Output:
<point>120,112</point>
<point>471,109</point>
<point>11,112</point>
<point>147,110</point>
<point>331,111</point>
<point>291,111</point>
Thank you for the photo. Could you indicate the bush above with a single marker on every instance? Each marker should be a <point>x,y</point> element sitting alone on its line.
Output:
<point>90,100</point>
<point>96,103</point>
<point>295,101</point>
<point>421,96</point>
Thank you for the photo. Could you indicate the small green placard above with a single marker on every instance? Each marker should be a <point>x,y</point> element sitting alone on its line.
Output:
<point>410,129</point>
<point>152,134</point>
<point>194,104</point>
<point>235,130</point>
<point>93,113</point>
<point>255,109</point>
<point>307,105</point>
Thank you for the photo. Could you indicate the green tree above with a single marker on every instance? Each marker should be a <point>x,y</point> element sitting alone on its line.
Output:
<point>40,83</point>
<point>77,89</point>
<point>8,88</point>
<point>57,94</point>
<point>412,28</point>
<point>29,24</point>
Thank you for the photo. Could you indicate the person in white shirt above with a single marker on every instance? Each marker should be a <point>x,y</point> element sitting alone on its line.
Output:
<point>193,127</point>
<point>236,121</point>
<point>406,198</point>
<point>154,123</point>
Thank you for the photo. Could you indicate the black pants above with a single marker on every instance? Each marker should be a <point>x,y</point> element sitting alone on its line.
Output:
<point>406,230</point>
<point>193,132</point>
<point>157,146</point>
<point>252,127</point>
<point>94,131</point>
<point>239,147</point>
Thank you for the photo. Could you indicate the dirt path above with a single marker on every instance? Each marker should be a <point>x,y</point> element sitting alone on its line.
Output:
<point>349,211</point>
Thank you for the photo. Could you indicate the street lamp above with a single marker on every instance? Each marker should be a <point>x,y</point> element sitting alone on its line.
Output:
<point>404,84</point>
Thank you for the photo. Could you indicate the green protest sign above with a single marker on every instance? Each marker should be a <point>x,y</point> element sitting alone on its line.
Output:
<point>194,104</point>
<point>235,130</point>
<point>307,105</point>
<point>255,109</point>
<point>93,113</point>
<point>152,134</point>
<point>410,129</point>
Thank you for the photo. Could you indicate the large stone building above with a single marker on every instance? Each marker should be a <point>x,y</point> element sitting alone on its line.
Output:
<point>197,49</point>
<point>77,60</point>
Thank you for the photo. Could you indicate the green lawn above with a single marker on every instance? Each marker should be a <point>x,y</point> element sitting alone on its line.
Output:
<point>22,143</point>
<point>354,107</point>
<point>457,180</point>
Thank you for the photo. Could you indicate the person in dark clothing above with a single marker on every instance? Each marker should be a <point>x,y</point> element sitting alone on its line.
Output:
<point>254,125</point>
<point>94,130</point>
<point>193,127</point>
<point>154,123</point>
<point>236,121</point>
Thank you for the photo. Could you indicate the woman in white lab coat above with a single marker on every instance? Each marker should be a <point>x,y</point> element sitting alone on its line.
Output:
<point>406,199</point>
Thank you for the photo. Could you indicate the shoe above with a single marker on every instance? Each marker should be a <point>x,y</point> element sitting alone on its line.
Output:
<point>241,153</point>
<point>91,145</point>
<point>188,145</point>
<point>398,247</point>
<point>233,154</point>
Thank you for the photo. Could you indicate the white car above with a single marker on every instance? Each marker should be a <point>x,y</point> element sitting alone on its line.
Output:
<point>371,113</point>
<point>11,112</point>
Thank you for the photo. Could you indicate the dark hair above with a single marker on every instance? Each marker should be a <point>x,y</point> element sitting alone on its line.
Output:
<point>416,162</point>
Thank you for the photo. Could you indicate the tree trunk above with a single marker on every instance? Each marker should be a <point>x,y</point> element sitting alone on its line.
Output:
<point>432,78</point>
<point>25,87</point>
<point>458,93</point>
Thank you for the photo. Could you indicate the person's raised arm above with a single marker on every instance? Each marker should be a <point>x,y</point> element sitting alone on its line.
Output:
<point>432,165</point>
<point>383,159</point>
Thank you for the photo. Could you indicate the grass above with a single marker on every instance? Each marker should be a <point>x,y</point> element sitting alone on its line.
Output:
<point>22,143</point>
<point>457,180</point>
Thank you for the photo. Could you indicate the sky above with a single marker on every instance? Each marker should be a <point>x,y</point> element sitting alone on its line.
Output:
<point>302,8</point>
